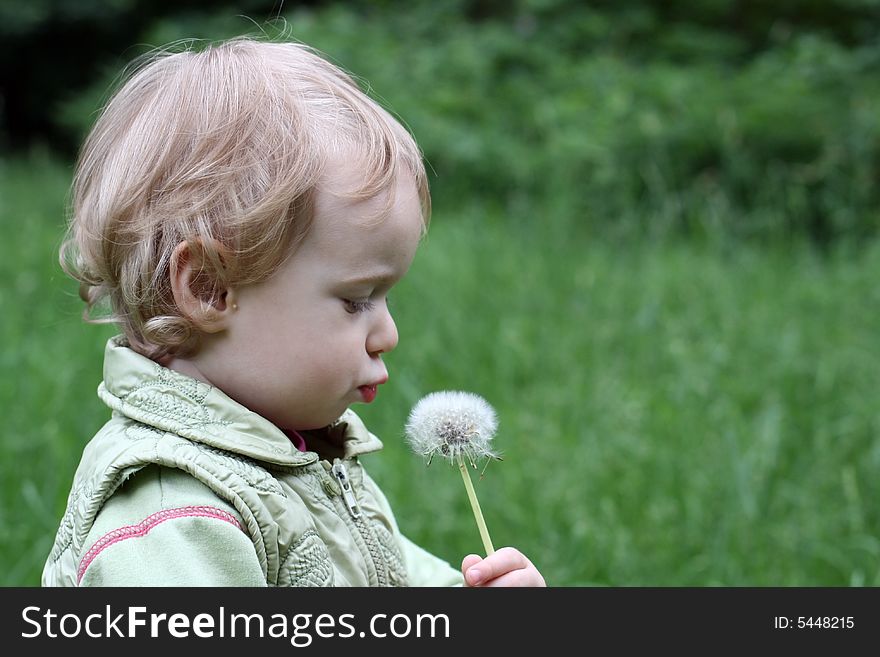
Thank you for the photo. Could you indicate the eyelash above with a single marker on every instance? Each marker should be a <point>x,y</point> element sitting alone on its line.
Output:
<point>354,307</point>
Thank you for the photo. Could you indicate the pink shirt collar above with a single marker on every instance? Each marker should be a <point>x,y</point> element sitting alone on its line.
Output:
<point>298,441</point>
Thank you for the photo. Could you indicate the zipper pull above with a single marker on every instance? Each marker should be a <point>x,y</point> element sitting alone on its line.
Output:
<point>351,502</point>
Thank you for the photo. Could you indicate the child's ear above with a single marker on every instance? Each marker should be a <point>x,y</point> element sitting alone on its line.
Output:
<point>197,284</point>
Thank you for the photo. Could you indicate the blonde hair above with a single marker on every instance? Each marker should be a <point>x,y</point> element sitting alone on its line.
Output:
<point>222,149</point>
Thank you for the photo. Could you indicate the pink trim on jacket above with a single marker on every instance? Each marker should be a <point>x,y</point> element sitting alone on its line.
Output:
<point>143,528</point>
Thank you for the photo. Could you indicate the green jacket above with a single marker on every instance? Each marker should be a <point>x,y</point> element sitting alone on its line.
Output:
<point>184,486</point>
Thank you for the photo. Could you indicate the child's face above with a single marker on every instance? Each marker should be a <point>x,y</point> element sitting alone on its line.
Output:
<point>307,343</point>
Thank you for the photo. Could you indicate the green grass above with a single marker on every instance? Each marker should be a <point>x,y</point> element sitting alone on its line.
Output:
<point>670,414</point>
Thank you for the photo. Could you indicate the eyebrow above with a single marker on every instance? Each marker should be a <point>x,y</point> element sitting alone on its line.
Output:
<point>377,277</point>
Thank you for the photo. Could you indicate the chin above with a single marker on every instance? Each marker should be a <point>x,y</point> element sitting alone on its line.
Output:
<point>311,416</point>
<point>320,423</point>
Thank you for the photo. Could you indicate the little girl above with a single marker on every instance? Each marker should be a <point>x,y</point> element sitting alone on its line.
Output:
<point>245,210</point>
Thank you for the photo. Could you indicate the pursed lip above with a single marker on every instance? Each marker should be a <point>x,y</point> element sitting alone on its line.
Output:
<point>368,392</point>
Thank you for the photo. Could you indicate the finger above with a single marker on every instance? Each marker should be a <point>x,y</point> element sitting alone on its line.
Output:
<point>521,577</point>
<point>470,560</point>
<point>503,561</point>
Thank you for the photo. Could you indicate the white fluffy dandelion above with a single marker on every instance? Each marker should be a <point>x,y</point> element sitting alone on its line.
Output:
<point>459,426</point>
<point>452,424</point>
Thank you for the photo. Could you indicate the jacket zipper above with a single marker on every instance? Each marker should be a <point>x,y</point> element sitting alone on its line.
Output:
<point>351,502</point>
<point>340,474</point>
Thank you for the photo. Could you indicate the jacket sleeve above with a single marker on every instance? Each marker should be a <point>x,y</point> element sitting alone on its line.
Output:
<point>422,567</point>
<point>164,528</point>
<point>425,569</point>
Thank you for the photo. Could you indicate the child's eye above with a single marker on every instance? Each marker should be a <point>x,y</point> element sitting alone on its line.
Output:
<point>354,306</point>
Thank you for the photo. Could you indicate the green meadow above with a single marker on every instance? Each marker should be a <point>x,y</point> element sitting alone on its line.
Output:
<point>673,412</point>
<point>654,250</point>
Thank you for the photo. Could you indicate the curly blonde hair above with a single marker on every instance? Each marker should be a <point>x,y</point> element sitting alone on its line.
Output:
<point>223,149</point>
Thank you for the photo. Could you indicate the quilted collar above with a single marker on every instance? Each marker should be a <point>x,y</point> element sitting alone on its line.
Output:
<point>143,390</point>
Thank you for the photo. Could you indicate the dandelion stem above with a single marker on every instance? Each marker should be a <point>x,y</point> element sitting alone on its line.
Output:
<point>475,506</point>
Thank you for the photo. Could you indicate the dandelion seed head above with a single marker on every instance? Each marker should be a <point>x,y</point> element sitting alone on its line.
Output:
<point>452,424</point>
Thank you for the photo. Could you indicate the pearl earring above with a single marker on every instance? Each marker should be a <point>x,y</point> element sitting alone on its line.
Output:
<point>234,306</point>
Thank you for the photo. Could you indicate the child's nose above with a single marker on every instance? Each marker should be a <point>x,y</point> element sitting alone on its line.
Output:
<point>383,338</point>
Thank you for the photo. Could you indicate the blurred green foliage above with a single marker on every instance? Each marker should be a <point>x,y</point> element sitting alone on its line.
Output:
<point>670,415</point>
<point>698,411</point>
<point>715,119</point>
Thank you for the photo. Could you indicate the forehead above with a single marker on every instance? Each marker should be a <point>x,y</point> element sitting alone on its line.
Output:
<point>376,233</point>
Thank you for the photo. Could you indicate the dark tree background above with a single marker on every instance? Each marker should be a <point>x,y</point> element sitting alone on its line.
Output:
<point>629,115</point>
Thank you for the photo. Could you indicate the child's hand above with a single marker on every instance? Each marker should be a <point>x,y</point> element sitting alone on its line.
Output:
<point>507,567</point>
